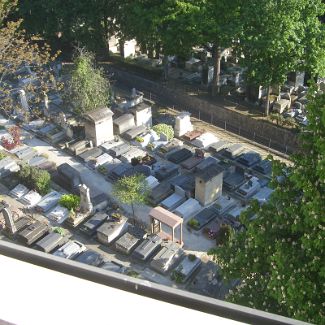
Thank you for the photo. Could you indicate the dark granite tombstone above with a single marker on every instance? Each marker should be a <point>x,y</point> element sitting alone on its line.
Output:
<point>249,159</point>
<point>90,154</point>
<point>90,257</point>
<point>148,247</point>
<point>127,242</point>
<point>264,167</point>
<point>50,242</point>
<point>186,182</point>
<point>160,192</point>
<point>179,155</point>
<point>166,171</point>
<point>234,179</point>
<point>68,177</point>
<point>119,150</point>
<point>205,163</point>
<point>90,227</point>
<point>233,151</point>
<point>203,217</point>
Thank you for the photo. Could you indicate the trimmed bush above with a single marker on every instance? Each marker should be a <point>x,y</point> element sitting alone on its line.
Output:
<point>70,201</point>
<point>165,129</point>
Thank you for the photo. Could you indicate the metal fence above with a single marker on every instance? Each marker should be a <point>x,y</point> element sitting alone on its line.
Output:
<point>212,118</point>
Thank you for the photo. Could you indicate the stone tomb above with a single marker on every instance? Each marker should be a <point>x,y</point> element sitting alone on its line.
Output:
<point>223,204</point>
<point>160,193</point>
<point>165,171</point>
<point>99,126</point>
<point>26,153</point>
<point>206,163</point>
<point>186,182</point>
<point>183,124</point>
<point>170,147</point>
<point>132,153</point>
<point>50,242</point>
<point>148,247</point>
<point>19,191</point>
<point>8,166</point>
<point>130,240</point>
<point>92,153</point>
<point>90,227</point>
<point>263,195</point>
<point>204,217</point>
<point>217,146</point>
<point>31,198</point>
<point>180,155</point>
<point>169,254</point>
<point>48,202</point>
<point>205,140</point>
<point>118,171</point>
<point>111,229</point>
<point>233,151</point>
<point>281,105</point>
<point>123,123</point>
<point>249,188</point>
<point>249,159</point>
<point>119,150</point>
<point>264,167</point>
<point>192,135</point>
<point>187,267</point>
<point>235,179</point>
<point>37,161</point>
<point>100,160</point>
<point>106,146</point>
<point>33,232</point>
<point>173,201</point>
<point>134,132</point>
<point>208,185</point>
<point>142,115</point>
<point>58,215</point>
<point>152,181</point>
<point>188,209</point>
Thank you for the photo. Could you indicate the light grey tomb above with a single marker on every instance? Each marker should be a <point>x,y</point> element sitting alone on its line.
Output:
<point>187,267</point>
<point>123,123</point>
<point>148,247</point>
<point>174,200</point>
<point>9,221</point>
<point>167,257</point>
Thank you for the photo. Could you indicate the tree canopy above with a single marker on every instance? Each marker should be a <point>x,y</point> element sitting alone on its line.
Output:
<point>131,190</point>
<point>88,88</point>
<point>280,257</point>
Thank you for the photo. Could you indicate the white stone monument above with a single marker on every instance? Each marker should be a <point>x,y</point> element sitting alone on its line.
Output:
<point>23,99</point>
<point>85,202</point>
<point>9,221</point>
<point>183,124</point>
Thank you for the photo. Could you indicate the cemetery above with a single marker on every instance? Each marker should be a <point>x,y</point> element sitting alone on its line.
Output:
<point>194,178</point>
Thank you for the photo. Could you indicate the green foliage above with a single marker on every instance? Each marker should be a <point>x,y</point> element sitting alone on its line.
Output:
<point>59,230</point>
<point>223,235</point>
<point>278,118</point>
<point>88,88</point>
<point>35,178</point>
<point>139,139</point>
<point>70,201</point>
<point>191,257</point>
<point>132,190</point>
<point>102,169</point>
<point>279,258</point>
<point>164,128</point>
<point>193,223</point>
<point>2,155</point>
<point>177,276</point>
<point>132,273</point>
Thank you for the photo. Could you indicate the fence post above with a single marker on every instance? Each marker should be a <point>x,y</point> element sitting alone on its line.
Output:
<point>270,144</point>
<point>225,125</point>
<point>286,149</point>
<point>150,95</point>
<point>199,115</point>
<point>211,122</point>
<point>254,136</point>
<point>239,130</point>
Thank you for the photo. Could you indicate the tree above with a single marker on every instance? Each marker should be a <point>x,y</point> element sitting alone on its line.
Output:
<point>131,190</point>
<point>219,25</point>
<point>278,37</point>
<point>70,201</point>
<point>35,178</point>
<point>280,255</point>
<point>88,88</point>
<point>18,52</point>
<point>165,129</point>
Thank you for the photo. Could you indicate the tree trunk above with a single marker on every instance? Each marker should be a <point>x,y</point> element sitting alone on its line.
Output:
<point>133,214</point>
<point>157,51</point>
<point>267,105</point>
<point>121,43</point>
<point>165,64</point>
<point>150,52</point>
<point>216,54</point>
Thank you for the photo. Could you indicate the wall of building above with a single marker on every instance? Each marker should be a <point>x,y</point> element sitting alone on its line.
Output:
<point>207,192</point>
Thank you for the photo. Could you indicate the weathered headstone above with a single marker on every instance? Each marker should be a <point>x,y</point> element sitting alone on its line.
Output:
<point>9,221</point>
<point>183,124</point>
<point>85,202</point>
<point>23,99</point>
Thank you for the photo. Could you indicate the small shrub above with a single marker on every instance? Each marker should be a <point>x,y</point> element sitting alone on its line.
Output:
<point>150,146</point>
<point>191,257</point>
<point>35,178</point>
<point>139,139</point>
<point>116,215</point>
<point>70,201</point>
<point>223,235</point>
<point>132,273</point>
<point>193,223</point>
<point>2,155</point>
<point>164,128</point>
<point>177,276</point>
<point>59,230</point>
<point>102,170</point>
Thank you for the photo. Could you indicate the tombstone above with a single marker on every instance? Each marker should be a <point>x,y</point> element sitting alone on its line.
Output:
<point>133,93</point>
<point>163,137</point>
<point>46,105</point>
<point>208,185</point>
<point>62,120</point>
<point>183,124</point>
<point>296,79</point>
<point>69,132</point>
<point>23,99</point>
<point>9,221</point>
<point>85,202</point>
<point>99,126</point>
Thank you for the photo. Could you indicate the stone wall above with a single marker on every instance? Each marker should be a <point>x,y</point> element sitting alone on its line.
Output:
<point>262,132</point>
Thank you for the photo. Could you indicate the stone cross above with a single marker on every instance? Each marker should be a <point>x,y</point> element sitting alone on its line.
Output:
<point>23,99</point>
<point>9,221</point>
<point>85,202</point>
